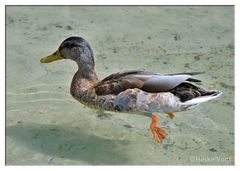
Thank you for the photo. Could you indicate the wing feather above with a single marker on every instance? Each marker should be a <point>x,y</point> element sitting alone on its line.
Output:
<point>116,86</point>
<point>147,81</point>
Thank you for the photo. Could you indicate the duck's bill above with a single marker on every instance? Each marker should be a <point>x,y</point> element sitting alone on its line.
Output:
<point>54,57</point>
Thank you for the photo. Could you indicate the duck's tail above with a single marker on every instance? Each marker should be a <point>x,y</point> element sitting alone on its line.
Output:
<point>211,94</point>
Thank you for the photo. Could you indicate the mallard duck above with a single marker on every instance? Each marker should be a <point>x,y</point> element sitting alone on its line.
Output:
<point>131,91</point>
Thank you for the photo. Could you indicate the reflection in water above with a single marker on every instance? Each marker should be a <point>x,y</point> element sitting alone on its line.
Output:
<point>71,143</point>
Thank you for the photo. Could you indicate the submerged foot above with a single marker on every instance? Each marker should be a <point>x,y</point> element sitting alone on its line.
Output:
<point>158,133</point>
<point>170,115</point>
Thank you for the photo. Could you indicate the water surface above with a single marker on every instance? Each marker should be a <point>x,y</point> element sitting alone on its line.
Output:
<point>46,126</point>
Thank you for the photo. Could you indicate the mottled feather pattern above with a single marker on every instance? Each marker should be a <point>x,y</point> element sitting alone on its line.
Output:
<point>116,86</point>
<point>140,101</point>
<point>133,90</point>
<point>186,91</point>
<point>133,100</point>
<point>127,93</point>
<point>140,92</point>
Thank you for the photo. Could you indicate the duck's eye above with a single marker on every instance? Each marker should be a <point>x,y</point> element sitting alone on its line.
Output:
<point>68,45</point>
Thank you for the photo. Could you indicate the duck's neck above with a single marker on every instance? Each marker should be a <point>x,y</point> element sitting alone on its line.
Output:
<point>83,79</point>
<point>87,71</point>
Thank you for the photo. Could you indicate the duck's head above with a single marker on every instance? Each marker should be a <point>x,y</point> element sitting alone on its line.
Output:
<point>76,49</point>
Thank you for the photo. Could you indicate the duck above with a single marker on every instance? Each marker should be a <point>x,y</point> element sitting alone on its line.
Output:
<point>130,91</point>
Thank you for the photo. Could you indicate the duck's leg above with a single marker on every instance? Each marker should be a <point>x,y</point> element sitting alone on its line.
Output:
<point>158,133</point>
<point>170,114</point>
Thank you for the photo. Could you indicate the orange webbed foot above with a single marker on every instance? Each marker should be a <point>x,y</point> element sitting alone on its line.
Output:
<point>158,133</point>
<point>170,114</point>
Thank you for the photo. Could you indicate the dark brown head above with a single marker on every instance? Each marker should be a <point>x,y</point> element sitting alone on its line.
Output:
<point>74,48</point>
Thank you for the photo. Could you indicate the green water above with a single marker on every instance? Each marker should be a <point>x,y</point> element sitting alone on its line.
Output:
<point>46,126</point>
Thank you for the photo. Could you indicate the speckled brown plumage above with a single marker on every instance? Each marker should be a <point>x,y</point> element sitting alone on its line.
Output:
<point>130,91</point>
<point>186,91</point>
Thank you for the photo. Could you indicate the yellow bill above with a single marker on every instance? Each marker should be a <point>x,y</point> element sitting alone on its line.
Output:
<point>54,57</point>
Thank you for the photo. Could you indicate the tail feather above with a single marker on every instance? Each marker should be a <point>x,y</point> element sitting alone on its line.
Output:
<point>193,80</point>
<point>188,73</point>
<point>195,101</point>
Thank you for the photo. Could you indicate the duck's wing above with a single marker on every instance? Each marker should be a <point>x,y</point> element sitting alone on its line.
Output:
<point>147,81</point>
<point>116,86</point>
